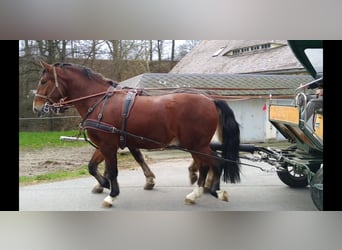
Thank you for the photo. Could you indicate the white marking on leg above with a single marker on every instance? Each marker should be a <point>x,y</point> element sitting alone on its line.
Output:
<point>174,142</point>
<point>222,195</point>
<point>109,199</point>
<point>198,191</point>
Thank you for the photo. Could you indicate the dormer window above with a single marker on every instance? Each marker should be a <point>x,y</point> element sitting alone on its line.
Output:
<point>252,49</point>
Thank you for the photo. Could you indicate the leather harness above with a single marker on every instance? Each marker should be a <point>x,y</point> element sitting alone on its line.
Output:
<point>102,126</point>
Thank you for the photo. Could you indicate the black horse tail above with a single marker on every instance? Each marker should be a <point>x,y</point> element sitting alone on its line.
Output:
<point>230,139</point>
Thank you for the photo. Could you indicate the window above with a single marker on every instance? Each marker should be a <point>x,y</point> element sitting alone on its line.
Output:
<point>252,49</point>
<point>218,52</point>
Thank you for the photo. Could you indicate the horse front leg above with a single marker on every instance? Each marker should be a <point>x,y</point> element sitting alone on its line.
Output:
<point>111,169</point>
<point>93,164</point>
<point>149,175</point>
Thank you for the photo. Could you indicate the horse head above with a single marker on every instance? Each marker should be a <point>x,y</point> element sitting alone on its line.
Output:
<point>49,91</point>
<point>63,84</point>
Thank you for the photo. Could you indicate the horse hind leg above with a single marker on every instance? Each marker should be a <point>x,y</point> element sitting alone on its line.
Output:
<point>212,181</point>
<point>212,184</point>
<point>93,164</point>
<point>209,181</point>
<point>198,191</point>
<point>149,175</point>
<point>193,168</point>
<point>209,186</point>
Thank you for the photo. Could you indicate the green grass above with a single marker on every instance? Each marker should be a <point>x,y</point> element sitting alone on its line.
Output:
<point>125,161</point>
<point>36,140</point>
<point>55,176</point>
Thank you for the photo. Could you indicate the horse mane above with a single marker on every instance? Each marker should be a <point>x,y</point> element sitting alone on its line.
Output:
<point>89,73</point>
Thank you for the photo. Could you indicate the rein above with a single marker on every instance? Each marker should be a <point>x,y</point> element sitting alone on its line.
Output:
<point>63,103</point>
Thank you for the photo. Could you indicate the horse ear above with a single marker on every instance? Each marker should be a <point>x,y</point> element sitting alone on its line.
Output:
<point>46,66</point>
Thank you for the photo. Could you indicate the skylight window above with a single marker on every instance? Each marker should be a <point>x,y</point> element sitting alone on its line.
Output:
<point>218,52</point>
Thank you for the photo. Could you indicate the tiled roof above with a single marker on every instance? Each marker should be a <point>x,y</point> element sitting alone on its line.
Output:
<point>221,84</point>
<point>201,58</point>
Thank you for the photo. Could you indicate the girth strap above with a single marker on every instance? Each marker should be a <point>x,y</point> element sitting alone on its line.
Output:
<point>127,105</point>
<point>102,126</point>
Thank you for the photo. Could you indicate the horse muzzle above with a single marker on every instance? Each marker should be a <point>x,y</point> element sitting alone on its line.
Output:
<point>47,107</point>
<point>42,110</point>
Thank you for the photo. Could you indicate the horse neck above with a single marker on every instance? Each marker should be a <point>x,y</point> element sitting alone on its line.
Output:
<point>83,94</point>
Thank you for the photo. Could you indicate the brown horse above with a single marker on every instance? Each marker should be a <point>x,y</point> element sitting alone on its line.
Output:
<point>117,118</point>
<point>97,157</point>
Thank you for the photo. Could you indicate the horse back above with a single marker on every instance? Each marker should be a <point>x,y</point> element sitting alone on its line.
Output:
<point>179,118</point>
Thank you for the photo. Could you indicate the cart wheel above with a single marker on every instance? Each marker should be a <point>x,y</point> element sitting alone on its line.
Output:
<point>316,189</point>
<point>292,178</point>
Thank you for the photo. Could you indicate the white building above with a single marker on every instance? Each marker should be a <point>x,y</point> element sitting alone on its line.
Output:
<point>246,73</point>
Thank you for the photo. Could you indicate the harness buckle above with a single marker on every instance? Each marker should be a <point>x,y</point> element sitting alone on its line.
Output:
<point>110,91</point>
<point>46,108</point>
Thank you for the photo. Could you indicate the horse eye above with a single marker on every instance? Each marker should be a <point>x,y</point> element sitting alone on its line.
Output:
<point>42,82</point>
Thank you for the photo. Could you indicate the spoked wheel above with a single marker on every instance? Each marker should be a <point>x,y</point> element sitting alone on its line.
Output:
<point>316,189</point>
<point>292,176</point>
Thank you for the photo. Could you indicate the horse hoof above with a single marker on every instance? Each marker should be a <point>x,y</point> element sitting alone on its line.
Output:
<point>97,190</point>
<point>149,186</point>
<point>222,195</point>
<point>206,190</point>
<point>106,204</point>
<point>108,201</point>
<point>189,202</point>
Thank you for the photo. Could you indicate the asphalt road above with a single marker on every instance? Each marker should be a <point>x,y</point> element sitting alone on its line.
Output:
<point>257,191</point>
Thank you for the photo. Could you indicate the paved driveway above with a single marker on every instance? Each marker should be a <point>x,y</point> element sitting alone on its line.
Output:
<point>257,191</point>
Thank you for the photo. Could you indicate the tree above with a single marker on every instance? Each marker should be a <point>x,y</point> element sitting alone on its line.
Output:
<point>185,48</point>
<point>173,51</point>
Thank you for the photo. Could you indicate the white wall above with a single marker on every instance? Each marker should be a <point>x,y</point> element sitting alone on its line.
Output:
<point>253,120</point>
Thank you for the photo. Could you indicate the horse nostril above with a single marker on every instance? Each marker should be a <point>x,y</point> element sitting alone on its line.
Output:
<point>36,110</point>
